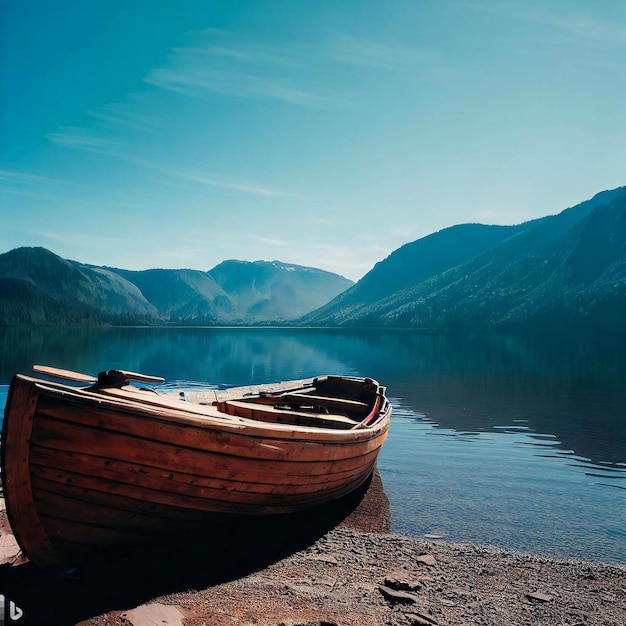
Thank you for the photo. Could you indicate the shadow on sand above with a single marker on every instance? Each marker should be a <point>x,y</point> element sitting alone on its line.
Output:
<point>124,579</point>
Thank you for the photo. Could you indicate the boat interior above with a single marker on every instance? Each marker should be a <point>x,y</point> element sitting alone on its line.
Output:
<point>330,402</point>
<point>325,402</point>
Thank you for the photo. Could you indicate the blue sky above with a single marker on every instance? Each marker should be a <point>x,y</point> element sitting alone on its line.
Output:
<point>180,133</point>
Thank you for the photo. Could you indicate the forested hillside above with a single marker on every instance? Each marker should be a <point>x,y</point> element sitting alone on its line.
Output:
<point>563,270</point>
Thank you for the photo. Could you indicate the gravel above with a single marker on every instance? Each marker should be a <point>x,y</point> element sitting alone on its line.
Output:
<point>354,574</point>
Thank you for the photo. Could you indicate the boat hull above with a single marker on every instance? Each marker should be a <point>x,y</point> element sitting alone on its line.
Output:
<point>85,470</point>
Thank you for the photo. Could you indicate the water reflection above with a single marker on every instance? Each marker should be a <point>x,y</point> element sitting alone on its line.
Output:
<point>541,445</point>
<point>508,487</point>
<point>495,438</point>
<point>572,390</point>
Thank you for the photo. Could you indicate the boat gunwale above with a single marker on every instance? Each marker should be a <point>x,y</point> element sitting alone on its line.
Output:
<point>213,420</point>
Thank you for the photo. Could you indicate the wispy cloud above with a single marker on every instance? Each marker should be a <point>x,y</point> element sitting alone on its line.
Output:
<point>369,52</point>
<point>35,186</point>
<point>127,115</point>
<point>218,61</point>
<point>192,79</point>
<point>174,175</point>
<point>582,26</point>
<point>228,63</point>
<point>241,187</point>
<point>273,242</point>
<point>21,178</point>
<point>83,139</point>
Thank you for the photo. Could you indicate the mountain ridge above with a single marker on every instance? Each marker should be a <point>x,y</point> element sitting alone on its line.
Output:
<point>566,270</point>
<point>39,287</point>
<point>517,281</point>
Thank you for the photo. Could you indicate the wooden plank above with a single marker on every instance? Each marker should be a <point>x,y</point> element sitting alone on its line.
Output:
<point>285,416</point>
<point>198,436</point>
<point>176,401</point>
<point>133,394</point>
<point>192,496</point>
<point>238,393</point>
<point>60,505</point>
<point>172,479</point>
<point>73,437</point>
<point>66,374</point>
<point>77,527</point>
<point>16,433</point>
<point>329,401</point>
<point>49,493</point>
<point>88,534</point>
<point>142,378</point>
<point>83,486</point>
<point>93,401</point>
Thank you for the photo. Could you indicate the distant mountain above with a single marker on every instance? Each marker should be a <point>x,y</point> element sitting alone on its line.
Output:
<point>236,292</point>
<point>271,290</point>
<point>182,296</point>
<point>559,271</point>
<point>39,287</point>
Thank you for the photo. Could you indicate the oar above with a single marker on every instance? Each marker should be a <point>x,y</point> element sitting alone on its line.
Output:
<point>143,378</point>
<point>86,378</point>
<point>67,374</point>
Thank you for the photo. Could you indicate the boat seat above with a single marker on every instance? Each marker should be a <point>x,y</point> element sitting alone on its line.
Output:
<point>267,413</point>
<point>327,401</point>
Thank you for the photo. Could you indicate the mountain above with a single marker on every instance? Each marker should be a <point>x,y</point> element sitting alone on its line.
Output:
<point>236,292</point>
<point>271,290</point>
<point>559,271</point>
<point>39,287</point>
<point>182,296</point>
<point>563,271</point>
<point>410,265</point>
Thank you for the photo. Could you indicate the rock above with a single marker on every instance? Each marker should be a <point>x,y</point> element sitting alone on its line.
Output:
<point>399,583</point>
<point>426,559</point>
<point>154,615</point>
<point>457,591</point>
<point>420,618</point>
<point>324,559</point>
<point>299,622</point>
<point>402,597</point>
<point>9,550</point>
<point>540,597</point>
<point>589,574</point>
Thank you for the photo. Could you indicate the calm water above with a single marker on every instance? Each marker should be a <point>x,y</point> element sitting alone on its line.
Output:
<point>496,440</point>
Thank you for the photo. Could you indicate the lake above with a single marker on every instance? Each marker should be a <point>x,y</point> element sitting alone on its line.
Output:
<point>507,440</point>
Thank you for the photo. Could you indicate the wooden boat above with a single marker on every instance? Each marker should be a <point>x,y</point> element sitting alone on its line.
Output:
<point>109,463</point>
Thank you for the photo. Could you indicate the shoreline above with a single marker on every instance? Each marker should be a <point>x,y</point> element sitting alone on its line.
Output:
<point>352,577</point>
<point>355,574</point>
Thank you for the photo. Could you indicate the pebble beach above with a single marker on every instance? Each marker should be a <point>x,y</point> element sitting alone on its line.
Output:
<point>354,574</point>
